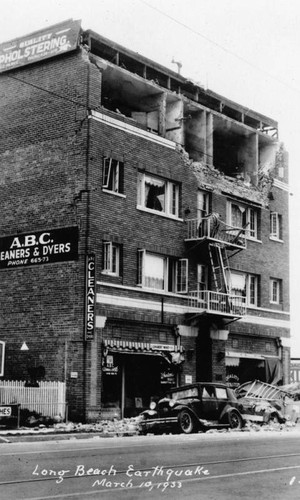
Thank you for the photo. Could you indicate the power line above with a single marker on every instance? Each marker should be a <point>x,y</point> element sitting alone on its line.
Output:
<point>237,56</point>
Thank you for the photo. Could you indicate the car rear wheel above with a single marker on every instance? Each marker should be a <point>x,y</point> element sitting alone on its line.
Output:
<point>186,422</point>
<point>235,420</point>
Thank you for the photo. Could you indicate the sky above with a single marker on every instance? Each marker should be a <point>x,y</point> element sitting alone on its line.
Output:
<point>248,51</point>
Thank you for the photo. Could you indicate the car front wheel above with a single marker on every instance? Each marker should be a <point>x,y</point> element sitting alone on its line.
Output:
<point>186,422</point>
<point>235,420</point>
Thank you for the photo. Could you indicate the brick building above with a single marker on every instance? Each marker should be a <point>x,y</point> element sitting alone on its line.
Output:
<point>144,227</point>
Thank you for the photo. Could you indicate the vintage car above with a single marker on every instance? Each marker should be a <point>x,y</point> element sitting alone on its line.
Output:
<point>193,407</point>
<point>262,412</point>
<point>263,403</point>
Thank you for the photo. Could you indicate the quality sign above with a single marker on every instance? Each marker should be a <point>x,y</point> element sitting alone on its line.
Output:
<point>49,42</point>
<point>40,247</point>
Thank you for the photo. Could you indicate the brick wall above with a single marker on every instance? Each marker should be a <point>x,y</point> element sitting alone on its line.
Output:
<point>43,157</point>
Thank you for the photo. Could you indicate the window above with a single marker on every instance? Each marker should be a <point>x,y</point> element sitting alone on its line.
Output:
<point>202,205</point>
<point>202,277</point>
<point>158,195</point>
<point>162,273</point>
<point>245,285</point>
<point>113,175</point>
<point>2,353</point>
<point>221,393</point>
<point>208,392</point>
<point>275,291</point>
<point>111,258</point>
<point>275,226</point>
<point>241,216</point>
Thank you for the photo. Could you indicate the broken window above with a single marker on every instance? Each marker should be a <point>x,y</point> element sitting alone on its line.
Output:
<point>113,175</point>
<point>241,216</point>
<point>158,194</point>
<point>162,273</point>
<point>275,226</point>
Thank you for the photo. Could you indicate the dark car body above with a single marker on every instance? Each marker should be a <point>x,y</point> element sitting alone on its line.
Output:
<point>193,407</point>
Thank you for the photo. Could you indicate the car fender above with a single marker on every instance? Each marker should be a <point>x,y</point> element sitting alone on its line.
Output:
<point>227,410</point>
<point>181,407</point>
<point>149,414</point>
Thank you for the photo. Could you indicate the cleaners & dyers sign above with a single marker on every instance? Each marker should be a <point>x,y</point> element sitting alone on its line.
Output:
<point>39,247</point>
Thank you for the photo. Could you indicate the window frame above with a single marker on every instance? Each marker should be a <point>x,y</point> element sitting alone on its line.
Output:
<point>202,271</point>
<point>203,208</point>
<point>251,288</point>
<point>111,252</point>
<point>278,299</point>
<point>276,221</point>
<point>113,175</point>
<point>2,357</point>
<point>175,273</point>
<point>171,206</point>
<point>251,219</point>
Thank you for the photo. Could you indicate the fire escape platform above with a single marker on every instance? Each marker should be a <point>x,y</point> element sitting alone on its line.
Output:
<point>222,234</point>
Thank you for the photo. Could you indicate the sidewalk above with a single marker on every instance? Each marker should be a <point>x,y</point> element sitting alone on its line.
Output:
<point>62,431</point>
<point>120,429</point>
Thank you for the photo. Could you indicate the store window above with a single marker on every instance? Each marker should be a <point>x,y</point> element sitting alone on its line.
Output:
<point>113,175</point>
<point>275,226</point>
<point>2,354</point>
<point>158,272</point>
<point>111,258</point>
<point>158,194</point>
<point>245,285</point>
<point>275,291</point>
<point>241,216</point>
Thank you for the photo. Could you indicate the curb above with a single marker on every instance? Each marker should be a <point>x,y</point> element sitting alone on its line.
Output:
<point>22,438</point>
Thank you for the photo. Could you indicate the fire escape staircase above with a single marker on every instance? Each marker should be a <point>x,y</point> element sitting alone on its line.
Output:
<point>219,301</point>
<point>219,266</point>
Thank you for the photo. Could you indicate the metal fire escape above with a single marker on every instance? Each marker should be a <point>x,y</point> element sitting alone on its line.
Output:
<point>220,239</point>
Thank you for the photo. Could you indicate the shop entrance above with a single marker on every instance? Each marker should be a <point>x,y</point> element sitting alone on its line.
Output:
<point>241,370</point>
<point>134,381</point>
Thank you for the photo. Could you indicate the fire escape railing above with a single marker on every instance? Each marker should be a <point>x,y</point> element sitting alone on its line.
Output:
<point>207,228</point>
<point>217,303</point>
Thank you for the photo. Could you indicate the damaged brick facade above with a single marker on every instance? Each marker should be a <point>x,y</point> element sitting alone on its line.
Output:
<point>136,158</point>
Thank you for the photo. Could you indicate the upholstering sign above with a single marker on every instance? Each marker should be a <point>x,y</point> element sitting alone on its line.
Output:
<point>51,41</point>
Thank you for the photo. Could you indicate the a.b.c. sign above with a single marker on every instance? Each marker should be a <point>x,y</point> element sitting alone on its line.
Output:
<point>39,247</point>
<point>52,41</point>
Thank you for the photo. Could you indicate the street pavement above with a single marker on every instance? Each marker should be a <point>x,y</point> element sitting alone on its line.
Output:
<point>215,465</point>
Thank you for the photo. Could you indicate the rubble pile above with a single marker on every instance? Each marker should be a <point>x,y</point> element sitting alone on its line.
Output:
<point>124,427</point>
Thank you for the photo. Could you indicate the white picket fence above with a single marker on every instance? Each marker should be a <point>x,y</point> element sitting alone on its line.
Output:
<point>49,398</point>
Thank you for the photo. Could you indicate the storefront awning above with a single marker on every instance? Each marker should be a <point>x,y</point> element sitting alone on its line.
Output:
<point>125,346</point>
<point>232,361</point>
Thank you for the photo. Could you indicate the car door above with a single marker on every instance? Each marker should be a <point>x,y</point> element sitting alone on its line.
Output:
<point>222,398</point>
<point>209,407</point>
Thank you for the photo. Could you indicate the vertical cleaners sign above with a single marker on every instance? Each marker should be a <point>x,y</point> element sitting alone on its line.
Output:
<point>90,294</point>
<point>49,42</point>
